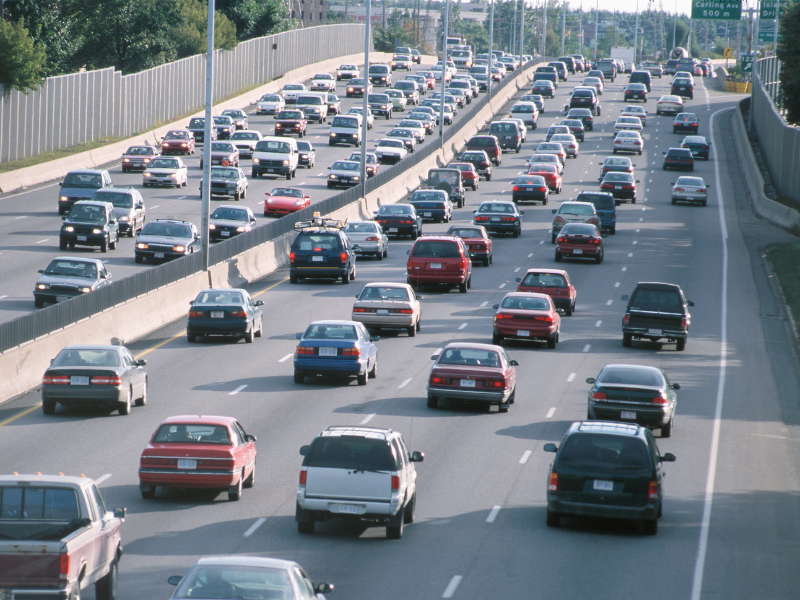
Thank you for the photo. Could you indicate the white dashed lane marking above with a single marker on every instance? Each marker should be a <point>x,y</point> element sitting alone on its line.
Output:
<point>237,390</point>
<point>550,412</point>
<point>252,529</point>
<point>493,514</point>
<point>598,324</point>
<point>452,586</point>
<point>404,384</point>
<point>367,419</point>
<point>609,303</point>
<point>525,456</point>
<point>587,347</point>
<point>462,326</point>
<point>571,377</point>
<point>285,358</point>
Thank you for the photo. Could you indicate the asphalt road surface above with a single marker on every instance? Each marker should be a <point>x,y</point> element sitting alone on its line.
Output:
<point>730,522</point>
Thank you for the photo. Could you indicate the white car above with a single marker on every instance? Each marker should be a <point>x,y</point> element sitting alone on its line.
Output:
<point>690,189</point>
<point>669,104</point>
<point>552,148</point>
<point>390,150</point>
<point>370,240</point>
<point>245,141</point>
<point>636,111</point>
<point>323,82</point>
<point>627,124</point>
<point>406,136</point>
<point>683,75</point>
<point>594,82</point>
<point>437,73</point>
<point>270,104</point>
<point>415,126</point>
<point>347,72</point>
<point>167,171</point>
<point>547,159</point>
<point>568,142</point>
<point>358,110</point>
<point>628,141</point>
<point>291,90</point>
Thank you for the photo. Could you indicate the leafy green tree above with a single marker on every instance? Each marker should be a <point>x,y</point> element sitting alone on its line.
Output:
<point>191,33</point>
<point>22,66</point>
<point>255,18</point>
<point>789,54</point>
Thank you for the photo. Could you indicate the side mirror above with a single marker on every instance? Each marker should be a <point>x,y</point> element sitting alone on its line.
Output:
<point>663,153</point>
<point>119,513</point>
<point>668,457</point>
<point>590,380</point>
<point>191,302</point>
<point>141,362</point>
<point>553,211</point>
<point>522,212</point>
<point>550,448</point>
<point>251,438</point>
<point>637,181</point>
<point>513,363</point>
<point>417,456</point>
<point>495,306</point>
<point>259,303</point>
<point>690,303</point>
<point>63,218</point>
<point>375,338</point>
<point>408,252</point>
<point>41,271</point>
<point>323,588</point>
<point>675,386</point>
<point>672,183</point>
<point>304,450</point>
<point>299,336</point>
<point>174,580</point>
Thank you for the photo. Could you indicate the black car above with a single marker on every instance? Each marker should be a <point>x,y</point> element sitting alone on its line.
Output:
<point>308,156</point>
<point>90,223</point>
<point>606,470</point>
<point>225,312</point>
<point>228,221</point>
<point>583,99</point>
<point>530,188</point>
<point>584,115</point>
<point>698,144</point>
<point>636,91</point>
<point>321,250</point>
<point>643,77</point>
<point>633,394</point>
<point>198,128</point>
<point>682,87</point>
<point>166,239</point>
<point>576,128</point>
<point>685,122</point>
<point>399,219</point>
<point>678,158</point>
<point>432,205</point>
<point>657,311</point>
<point>225,127</point>
<point>499,217</point>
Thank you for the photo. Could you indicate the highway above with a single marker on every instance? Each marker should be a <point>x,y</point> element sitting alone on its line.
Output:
<point>480,522</point>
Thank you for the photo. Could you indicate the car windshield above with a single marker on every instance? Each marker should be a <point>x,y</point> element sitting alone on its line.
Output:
<point>197,123</point>
<point>177,135</point>
<point>317,242</point>
<point>273,147</point>
<point>405,85</point>
<point>496,207</point>
<point>80,357</point>
<point>234,114</point>
<point>450,178</point>
<point>310,100</point>
<point>83,180</point>
<point>390,144</point>
<point>290,192</point>
<point>427,196</point>
<point>87,212</point>
<point>375,292</point>
<point>72,268</point>
<point>326,76</point>
<point>633,135</point>
<point>345,123</point>
<point>224,173</point>
<point>294,86</point>
<point>603,453</point>
<point>290,114</point>
<point>222,120</point>
<point>578,229</point>
<point>261,583</point>
<point>119,200</point>
<point>524,303</point>
<point>175,230</point>
<point>403,133</point>
<point>270,98</point>
<point>361,228</point>
<point>221,147</point>
<point>348,68</point>
<point>358,453</point>
<point>630,376</point>
<point>164,163</point>
<point>371,158</point>
<point>470,356</point>
<point>330,331</point>
<point>576,209</point>
<point>656,301</point>
<point>387,210</point>
<point>691,181</point>
<point>140,151</point>
<point>230,214</point>
<point>345,166</point>
<point>188,433</point>
<point>219,296</point>
<point>245,135</point>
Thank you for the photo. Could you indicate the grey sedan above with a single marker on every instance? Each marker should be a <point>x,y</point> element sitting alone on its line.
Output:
<point>66,277</point>
<point>368,239</point>
<point>101,376</point>
<point>690,189</point>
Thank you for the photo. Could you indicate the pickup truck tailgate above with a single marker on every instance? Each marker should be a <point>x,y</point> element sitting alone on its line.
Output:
<point>351,485</point>
<point>29,564</point>
<point>656,320</point>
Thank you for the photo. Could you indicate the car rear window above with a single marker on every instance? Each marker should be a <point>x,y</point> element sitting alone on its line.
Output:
<point>330,331</point>
<point>38,503</point>
<point>601,201</point>
<point>375,292</point>
<point>316,242</point>
<point>435,249</point>
<point>72,357</point>
<point>481,142</point>
<point>603,452</point>
<point>180,433</point>
<point>578,229</point>
<point>503,128</point>
<point>630,376</point>
<point>470,356</point>
<point>522,303</point>
<point>553,280</point>
<point>351,452</point>
<point>656,301</point>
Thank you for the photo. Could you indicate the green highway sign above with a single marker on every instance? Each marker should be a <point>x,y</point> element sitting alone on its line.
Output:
<point>747,63</point>
<point>769,9</point>
<point>721,10</point>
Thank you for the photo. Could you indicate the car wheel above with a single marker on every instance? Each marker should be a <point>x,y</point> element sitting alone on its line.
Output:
<point>62,245</point>
<point>558,257</point>
<point>408,511</point>
<point>633,200</point>
<point>38,302</point>
<point>306,527</point>
<point>250,335</point>
<point>125,406</point>
<point>412,331</point>
<point>106,587</point>
<point>191,338</point>
<point>599,258</point>
<point>292,278</point>
<point>362,379</point>
<point>497,340</point>
<point>251,481</point>
<point>681,345</point>
<point>148,493</point>
<point>395,532</point>
<point>260,330</point>
<point>299,377</point>
<point>627,340</point>
<point>433,402</point>
<point>143,400</point>
<point>488,177</point>
<point>49,408</point>
<point>235,491</point>
<point>289,176</point>
<point>552,238</point>
<point>666,430</point>
<point>552,341</point>
<point>553,519</point>
<point>651,527</point>
<point>104,245</point>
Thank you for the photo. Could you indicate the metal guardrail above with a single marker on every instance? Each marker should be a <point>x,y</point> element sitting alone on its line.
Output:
<point>57,316</point>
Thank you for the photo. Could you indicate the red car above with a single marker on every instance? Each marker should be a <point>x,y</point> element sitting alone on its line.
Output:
<point>137,158</point>
<point>439,260</point>
<point>478,242</point>
<point>469,175</point>
<point>550,174</point>
<point>579,240</point>
<point>291,122</point>
<point>479,373</point>
<point>178,141</point>
<point>525,316</point>
<point>487,143</point>
<point>197,451</point>
<point>283,201</point>
<point>553,282</point>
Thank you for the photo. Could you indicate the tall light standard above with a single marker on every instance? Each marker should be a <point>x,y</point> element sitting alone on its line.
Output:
<point>365,103</point>
<point>444,70</point>
<point>544,27</point>
<point>563,27</point>
<point>636,37</point>
<point>206,187</point>
<point>491,31</point>
<point>597,26</point>
<point>675,28</point>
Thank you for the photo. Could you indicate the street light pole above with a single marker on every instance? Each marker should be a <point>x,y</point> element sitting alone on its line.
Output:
<point>444,70</point>
<point>544,27</point>
<point>365,104</point>
<point>491,31</point>
<point>521,30</point>
<point>596,27</point>
<point>563,27</point>
<point>205,207</point>
<point>675,27</point>
<point>636,37</point>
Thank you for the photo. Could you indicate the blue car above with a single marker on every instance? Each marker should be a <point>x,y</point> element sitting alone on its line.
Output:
<point>606,208</point>
<point>338,348</point>
<point>225,312</point>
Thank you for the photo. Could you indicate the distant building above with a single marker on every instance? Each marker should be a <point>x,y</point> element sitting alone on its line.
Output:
<point>309,12</point>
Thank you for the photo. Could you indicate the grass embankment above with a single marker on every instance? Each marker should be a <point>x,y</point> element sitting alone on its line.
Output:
<point>785,261</point>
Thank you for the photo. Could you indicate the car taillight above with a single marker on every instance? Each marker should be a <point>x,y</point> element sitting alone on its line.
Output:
<point>405,311</point>
<point>195,313</point>
<point>562,240</point>
<point>494,384</point>
<point>343,257</point>
<point>351,352</point>
<point>63,566</point>
<point>558,219</point>
<point>541,189</point>
<point>484,164</point>
<point>502,316</point>
<point>626,319</point>
<point>607,185</point>
<point>618,142</point>
<point>372,238</point>
<point>435,379</point>
<point>653,490</point>
<point>661,399</point>
<point>291,257</point>
<point>303,476</point>
<point>684,323</point>
<point>682,190</point>
<point>599,396</point>
<point>55,379</point>
<point>238,313</point>
<point>360,310</point>
<point>553,485</point>
<point>305,351</point>
<point>395,482</point>
<point>515,189</point>
<point>105,380</point>
<point>481,218</point>
<point>701,190</point>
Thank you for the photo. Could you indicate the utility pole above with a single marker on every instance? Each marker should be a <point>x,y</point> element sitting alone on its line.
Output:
<point>563,27</point>
<point>512,29</point>
<point>674,29</point>
<point>365,104</point>
<point>580,29</point>
<point>636,39</point>
<point>491,31</point>
<point>521,30</point>
<point>544,27</point>
<point>209,123</point>
<point>597,27</point>
<point>444,70</point>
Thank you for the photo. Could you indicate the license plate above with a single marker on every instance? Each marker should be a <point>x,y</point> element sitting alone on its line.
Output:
<point>435,265</point>
<point>82,238</point>
<point>348,508</point>
<point>427,214</point>
<point>184,463</point>
<point>528,189</point>
<point>328,351</point>
<point>495,219</point>
<point>317,258</point>
<point>627,414</point>
<point>271,171</point>
<point>523,333</point>
<point>383,311</point>
<point>393,230</point>
<point>653,332</point>
<point>159,255</point>
<point>62,298</point>
<point>617,187</point>
<point>79,380</point>
<point>605,486</point>
<point>217,314</point>
<point>225,233</point>
<point>578,251</point>
<point>468,383</point>
<point>508,137</point>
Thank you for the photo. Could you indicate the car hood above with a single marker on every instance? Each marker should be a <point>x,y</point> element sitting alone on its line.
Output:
<point>79,192</point>
<point>390,150</point>
<point>67,280</point>
<point>229,223</point>
<point>175,142</point>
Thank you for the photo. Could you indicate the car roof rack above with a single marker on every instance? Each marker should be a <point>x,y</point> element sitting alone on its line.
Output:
<point>318,222</point>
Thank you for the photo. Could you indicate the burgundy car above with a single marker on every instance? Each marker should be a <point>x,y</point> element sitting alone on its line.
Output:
<point>553,282</point>
<point>579,240</point>
<point>479,373</point>
<point>291,122</point>
<point>478,242</point>
<point>487,143</point>
<point>469,175</point>
<point>439,260</point>
<point>178,141</point>
<point>525,316</point>
<point>137,158</point>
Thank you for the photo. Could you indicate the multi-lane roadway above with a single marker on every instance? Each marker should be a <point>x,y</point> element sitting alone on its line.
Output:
<point>730,524</point>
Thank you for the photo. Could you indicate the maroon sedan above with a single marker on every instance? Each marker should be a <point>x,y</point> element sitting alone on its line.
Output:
<point>525,316</point>
<point>553,282</point>
<point>579,240</point>
<point>291,122</point>
<point>178,141</point>
<point>469,175</point>
<point>478,242</point>
<point>479,373</point>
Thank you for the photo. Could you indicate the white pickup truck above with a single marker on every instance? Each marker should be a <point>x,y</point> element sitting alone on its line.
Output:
<point>56,538</point>
<point>363,474</point>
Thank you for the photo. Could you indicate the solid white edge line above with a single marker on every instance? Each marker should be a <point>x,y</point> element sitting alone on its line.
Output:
<point>550,412</point>
<point>4,296</point>
<point>288,356</point>
<point>252,529</point>
<point>525,456</point>
<point>702,546</point>
<point>451,587</point>
<point>493,514</point>
<point>102,478</point>
<point>367,419</point>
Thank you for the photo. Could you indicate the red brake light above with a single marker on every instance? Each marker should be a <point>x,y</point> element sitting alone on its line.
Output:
<point>599,396</point>
<point>372,238</point>
<point>105,380</point>
<point>361,310</point>
<point>305,351</point>
<point>627,318</point>
<point>553,485</point>
<point>195,313</point>
<point>562,240</point>
<point>351,352</point>
<point>653,491</point>
<point>303,475</point>
<point>684,323</point>
<point>63,566</point>
<point>437,379</point>
<point>55,379</point>
<point>406,311</point>
<point>395,482</point>
<point>661,400</point>
<point>516,188</point>
<point>596,241</point>
<point>238,313</point>
<point>558,219</point>
<point>291,257</point>
<point>343,257</point>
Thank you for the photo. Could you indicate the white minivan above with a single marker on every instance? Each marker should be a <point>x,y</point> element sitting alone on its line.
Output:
<point>275,156</point>
<point>345,129</point>
<point>314,105</point>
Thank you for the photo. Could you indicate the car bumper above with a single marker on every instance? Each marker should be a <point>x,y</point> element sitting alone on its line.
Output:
<point>258,170</point>
<point>585,509</point>
<point>388,321</point>
<point>330,366</point>
<point>499,227</point>
<point>622,194</point>
<point>656,334</point>
<point>327,508</point>
<point>683,197</point>
<point>398,230</point>
<point>84,395</point>
<point>529,196</point>
<point>651,418</point>
<point>579,251</point>
<point>432,215</point>
<point>469,394</point>
<point>54,297</point>
<point>158,255</point>
<point>344,139</point>
<point>679,165</point>
<point>136,166</point>
<point>368,248</point>
<point>417,278</point>
<point>279,211</point>
<point>189,478</point>
<point>626,148</point>
<point>166,181</point>
<point>92,239</point>
<point>210,327</point>
<point>320,272</point>
<point>525,332</point>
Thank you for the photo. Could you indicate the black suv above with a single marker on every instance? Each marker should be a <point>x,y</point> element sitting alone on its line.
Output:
<point>321,250</point>
<point>584,99</point>
<point>198,128</point>
<point>166,239</point>
<point>606,470</point>
<point>90,223</point>
<point>641,77</point>
<point>655,312</point>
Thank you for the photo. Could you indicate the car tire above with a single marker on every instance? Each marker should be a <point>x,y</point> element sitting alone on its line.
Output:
<point>599,258</point>
<point>650,527</point>
<point>250,481</point>
<point>433,401</point>
<point>373,374</point>
<point>553,519</point>
<point>633,200</point>
<point>488,177</point>
<point>497,340</point>
<point>412,331</point>
<point>235,491</point>
<point>143,400</point>
<point>260,330</point>
<point>106,587</point>
<point>191,338</point>
<point>462,287</point>
<point>124,408</point>
<point>104,245</point>
<point>666,430</point>
<point>38,302</point>
<point>299,377</point>
<point>250,335</point>
<point>627,340</point>
<point>362,379</point>
<point>289,176</point>
<point>552,238</point>
<point>552,341</point>
<point>49,408</point>
<point>681,345</point>
<point>558,257</point>
<point>395,532</point>
<point>408,511</point>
